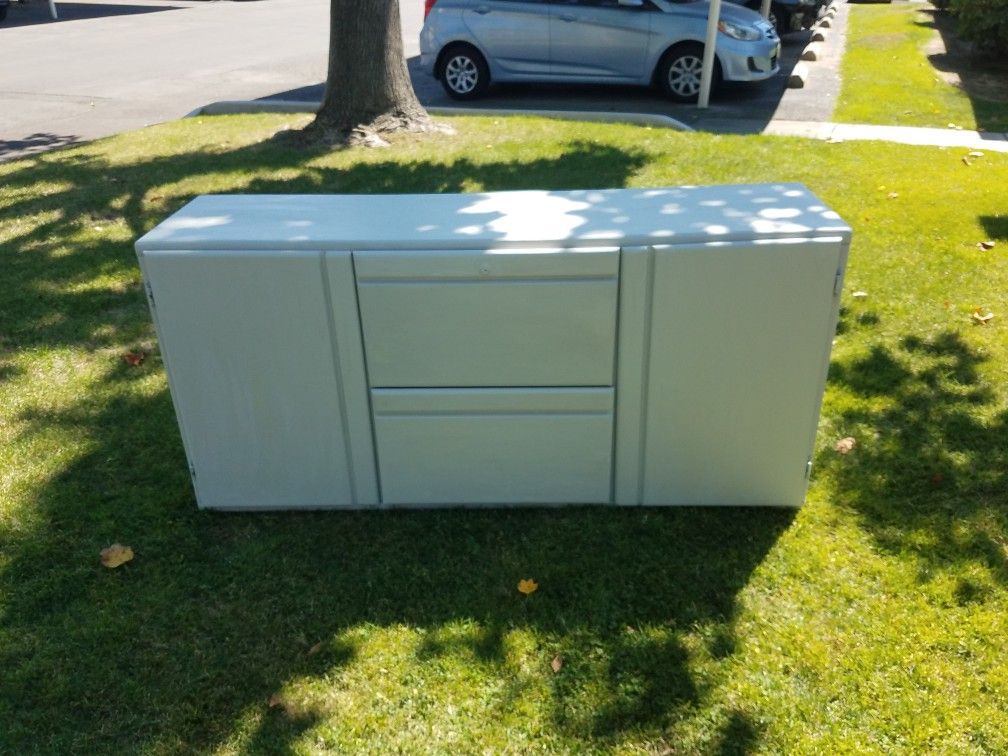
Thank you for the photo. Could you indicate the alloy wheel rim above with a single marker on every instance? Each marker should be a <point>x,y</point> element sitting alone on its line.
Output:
<point>684,75</point>
<point>461,74</point>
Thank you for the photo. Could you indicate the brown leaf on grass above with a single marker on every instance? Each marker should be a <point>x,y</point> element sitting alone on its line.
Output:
<point>134,358</point>
<point>845,445</point>
<point>527,586</point>
<point>982,318</point>
<point>115,555</point>
<point>967,161</point>
<point>276,700</point>
<point>315,649</point>
<point>556,664</point>
<point>986,245</point>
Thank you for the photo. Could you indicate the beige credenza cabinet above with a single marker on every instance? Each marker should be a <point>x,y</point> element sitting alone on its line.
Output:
<point>662,346</point>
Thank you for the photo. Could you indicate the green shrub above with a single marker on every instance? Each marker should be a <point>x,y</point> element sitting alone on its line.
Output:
<point>983,22</point>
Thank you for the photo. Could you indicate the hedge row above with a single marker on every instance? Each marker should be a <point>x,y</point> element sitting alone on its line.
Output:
<point>983,22</point>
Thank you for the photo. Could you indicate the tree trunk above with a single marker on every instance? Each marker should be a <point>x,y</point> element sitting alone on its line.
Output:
<point>368,88</point>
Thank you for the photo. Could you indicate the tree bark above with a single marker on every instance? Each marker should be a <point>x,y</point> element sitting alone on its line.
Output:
<point>368,89</point>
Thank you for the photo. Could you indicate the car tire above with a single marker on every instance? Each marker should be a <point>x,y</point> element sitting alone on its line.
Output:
<point>678,72</point>
<point>463,72</point>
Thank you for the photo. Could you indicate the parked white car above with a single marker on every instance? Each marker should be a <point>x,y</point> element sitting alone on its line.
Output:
<point>469,43</point>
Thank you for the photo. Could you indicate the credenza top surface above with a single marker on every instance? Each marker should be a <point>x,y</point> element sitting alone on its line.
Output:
<point>497,220</point>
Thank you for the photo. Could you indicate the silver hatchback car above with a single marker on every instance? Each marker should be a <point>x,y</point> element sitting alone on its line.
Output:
<point>469,43</point>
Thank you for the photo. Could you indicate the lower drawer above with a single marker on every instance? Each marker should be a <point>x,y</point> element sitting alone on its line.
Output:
<point>494,446</point>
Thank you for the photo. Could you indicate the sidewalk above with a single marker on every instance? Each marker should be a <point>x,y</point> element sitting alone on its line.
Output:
<point>846,132</point>
<point>824,131</point>
<point>843,132</point>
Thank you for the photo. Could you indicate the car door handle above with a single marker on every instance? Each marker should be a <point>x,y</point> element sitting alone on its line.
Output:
<point>567,17</point>
<point>481,9</point>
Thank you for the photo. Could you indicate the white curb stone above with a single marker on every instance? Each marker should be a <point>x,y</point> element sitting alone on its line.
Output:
<point>819,35</point>
<point>825,23</point>
<point>812,52</point>
<point>798,77</point>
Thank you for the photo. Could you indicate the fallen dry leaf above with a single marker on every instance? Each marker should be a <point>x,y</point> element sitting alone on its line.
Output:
<point>859,294</point>
<point>986,245</point>
<point>527,586</point>
<point>975,154</point>
<point>892,195</point>
<point>115,555</point>
<point>556,664</point>
<point>982,318</point>
<point>967,161</point>
<point>315,649</point>
<point>134,358</point>
<point>844,445</point>
<point>276,700</point>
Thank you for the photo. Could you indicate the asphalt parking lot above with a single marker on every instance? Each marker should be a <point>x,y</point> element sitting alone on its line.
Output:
<point>113,65</point>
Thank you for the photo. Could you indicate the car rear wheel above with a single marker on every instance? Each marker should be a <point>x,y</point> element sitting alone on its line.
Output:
<point>463,72</point>
<point>679,72</point>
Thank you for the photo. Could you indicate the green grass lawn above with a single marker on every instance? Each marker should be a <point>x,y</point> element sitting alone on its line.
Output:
<point>874,619</point>
<point>890,77</point>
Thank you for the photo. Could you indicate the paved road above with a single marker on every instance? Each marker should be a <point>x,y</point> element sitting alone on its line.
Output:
<point>114,65</point>
<point>111,66</point>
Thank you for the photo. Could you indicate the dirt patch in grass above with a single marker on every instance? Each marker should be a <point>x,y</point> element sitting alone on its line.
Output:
<point>958,63</point>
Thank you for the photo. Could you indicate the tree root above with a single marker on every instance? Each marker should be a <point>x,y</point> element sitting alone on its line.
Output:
<point>324,132</point>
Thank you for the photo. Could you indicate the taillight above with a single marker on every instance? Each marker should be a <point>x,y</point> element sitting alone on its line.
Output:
<point>428,4</point>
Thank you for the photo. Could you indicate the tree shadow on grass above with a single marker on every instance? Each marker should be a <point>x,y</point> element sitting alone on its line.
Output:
<point>929,474</point>
<point>996,227</point>
<point>982,76</point>
<point>184,648</point>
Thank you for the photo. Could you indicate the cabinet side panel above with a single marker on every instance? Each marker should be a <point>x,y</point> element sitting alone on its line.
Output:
<point>740,334</point>
<point>247,342</point>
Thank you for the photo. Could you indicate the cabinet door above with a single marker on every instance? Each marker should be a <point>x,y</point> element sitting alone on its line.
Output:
<point>740,337</point>
<point>480,318</point>
<point>494,446</point>
<point>248,349</point>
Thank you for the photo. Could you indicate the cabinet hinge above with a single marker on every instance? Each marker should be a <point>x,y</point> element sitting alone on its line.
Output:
<point>150,292</point>
<point>837,283</point>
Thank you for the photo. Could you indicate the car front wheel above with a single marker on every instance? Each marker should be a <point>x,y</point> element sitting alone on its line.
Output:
<point>463,72</point>
<point>679,72</point>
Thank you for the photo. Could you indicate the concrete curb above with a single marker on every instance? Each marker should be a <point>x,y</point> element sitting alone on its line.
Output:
<point>237,107</point>
<point>812,52</point>
<point>819,34</point>
<point>798,77</point>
